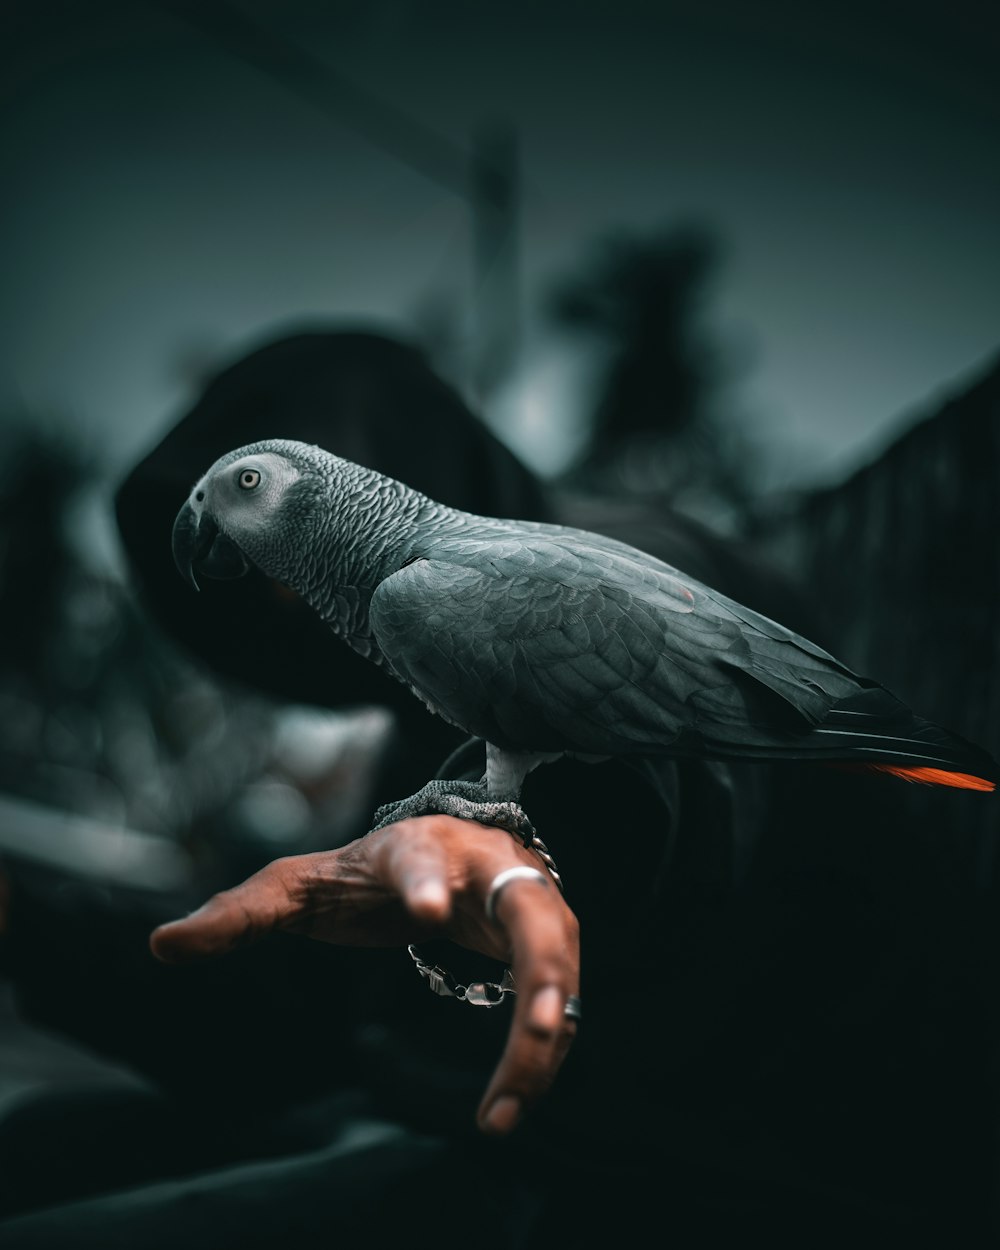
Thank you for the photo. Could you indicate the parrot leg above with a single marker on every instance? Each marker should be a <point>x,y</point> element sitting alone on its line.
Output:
<point>490,801</point>
<point>469,800</point>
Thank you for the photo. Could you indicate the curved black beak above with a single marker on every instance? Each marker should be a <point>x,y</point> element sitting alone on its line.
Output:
<point>198,545</point>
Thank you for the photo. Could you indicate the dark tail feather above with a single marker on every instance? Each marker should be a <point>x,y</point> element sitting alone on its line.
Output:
<point>867,730</point>
<point>877,733</point>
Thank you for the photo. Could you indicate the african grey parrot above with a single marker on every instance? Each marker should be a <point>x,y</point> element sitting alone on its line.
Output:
<point>543,640</point>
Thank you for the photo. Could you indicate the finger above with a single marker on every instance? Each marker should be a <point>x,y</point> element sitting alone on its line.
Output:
<point>544,937</point>
<point>233,918</point>
<point>416,866</point>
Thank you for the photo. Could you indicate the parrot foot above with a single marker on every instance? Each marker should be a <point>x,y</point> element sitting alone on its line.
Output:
<point>468,800</point>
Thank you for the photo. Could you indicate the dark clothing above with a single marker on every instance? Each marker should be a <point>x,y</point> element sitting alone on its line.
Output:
<point>772,1058</point>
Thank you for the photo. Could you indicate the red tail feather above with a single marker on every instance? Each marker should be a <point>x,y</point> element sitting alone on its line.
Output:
<point>934,776</point>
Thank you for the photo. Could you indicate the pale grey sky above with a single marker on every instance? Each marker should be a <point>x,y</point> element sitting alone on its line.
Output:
<point>166,198</point>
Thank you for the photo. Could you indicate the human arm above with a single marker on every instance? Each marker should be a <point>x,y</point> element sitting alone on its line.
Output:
<point>404,883</point>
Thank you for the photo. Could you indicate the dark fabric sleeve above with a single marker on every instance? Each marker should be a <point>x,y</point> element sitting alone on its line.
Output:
<point>271,1023</point>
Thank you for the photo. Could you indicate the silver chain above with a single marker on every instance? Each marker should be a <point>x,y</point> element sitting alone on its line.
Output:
<point>483,993</point>
<point>535,843</point>
<point>478,993</point>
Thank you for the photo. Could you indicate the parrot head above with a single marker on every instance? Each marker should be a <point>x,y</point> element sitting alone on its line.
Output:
<point>244,510</point>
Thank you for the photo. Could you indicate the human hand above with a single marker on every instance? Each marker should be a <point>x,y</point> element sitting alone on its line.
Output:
<point>421,878</point>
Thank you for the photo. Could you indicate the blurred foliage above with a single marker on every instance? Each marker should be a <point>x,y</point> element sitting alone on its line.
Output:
<point>101,716</point>
<point>654,428</point>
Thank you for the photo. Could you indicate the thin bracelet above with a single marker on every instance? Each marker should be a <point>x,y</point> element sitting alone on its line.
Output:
<point>535,843</point>
<point>483,993</point>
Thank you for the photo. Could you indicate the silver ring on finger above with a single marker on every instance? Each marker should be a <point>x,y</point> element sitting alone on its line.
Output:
<point>520,873</point>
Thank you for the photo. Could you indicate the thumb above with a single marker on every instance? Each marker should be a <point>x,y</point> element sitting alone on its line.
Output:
<point>229,920</point>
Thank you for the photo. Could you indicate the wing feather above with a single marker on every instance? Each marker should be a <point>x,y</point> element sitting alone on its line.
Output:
<point>544,639</point>
<point>553,646</point>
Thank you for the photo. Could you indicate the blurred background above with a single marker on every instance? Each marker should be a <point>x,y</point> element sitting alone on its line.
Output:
<point>719,257</point>
<point>813,199</point>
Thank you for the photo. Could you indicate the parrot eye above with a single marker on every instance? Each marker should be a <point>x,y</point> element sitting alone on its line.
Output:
<point>248,479</point>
